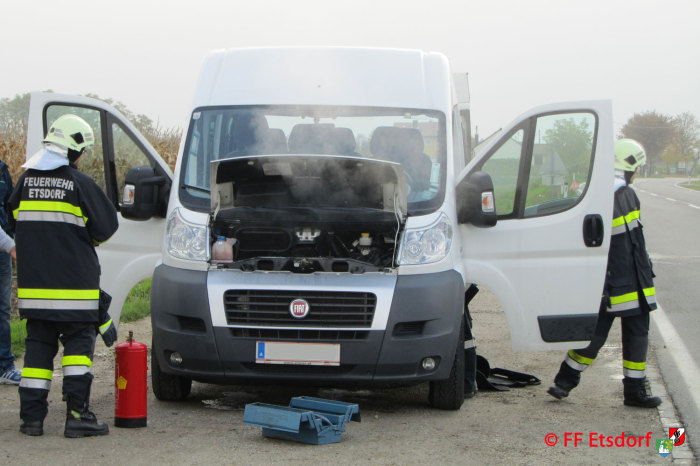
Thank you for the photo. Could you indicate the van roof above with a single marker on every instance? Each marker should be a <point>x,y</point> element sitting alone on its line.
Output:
<point>374,77</point>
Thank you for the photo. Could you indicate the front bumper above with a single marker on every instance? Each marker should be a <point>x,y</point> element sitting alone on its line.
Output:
<point>420,317</point>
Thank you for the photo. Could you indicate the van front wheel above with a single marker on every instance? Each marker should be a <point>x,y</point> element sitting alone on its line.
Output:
<point>167,387</point>
<point>448,394</point>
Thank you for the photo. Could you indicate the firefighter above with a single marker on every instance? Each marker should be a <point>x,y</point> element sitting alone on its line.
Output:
<point>60,215</point>
<point>629,290</point>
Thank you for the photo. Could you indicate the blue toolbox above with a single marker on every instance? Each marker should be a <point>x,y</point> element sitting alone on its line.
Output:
<point>307,419</point>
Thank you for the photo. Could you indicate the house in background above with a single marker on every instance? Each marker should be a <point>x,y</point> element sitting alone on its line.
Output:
<point>549,165</point>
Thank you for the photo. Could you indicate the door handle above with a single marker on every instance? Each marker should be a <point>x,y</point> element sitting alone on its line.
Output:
<point>593,230</point>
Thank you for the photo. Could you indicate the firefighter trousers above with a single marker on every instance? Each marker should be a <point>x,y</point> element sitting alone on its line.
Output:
<point>635,342</point>
<point>78,339</point>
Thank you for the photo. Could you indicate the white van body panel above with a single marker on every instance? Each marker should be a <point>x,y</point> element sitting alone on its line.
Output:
<point>291,75</point>
<point>133,252</point>
<point>539,265</point>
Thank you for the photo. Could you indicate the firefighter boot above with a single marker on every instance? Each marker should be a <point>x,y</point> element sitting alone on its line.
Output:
<point>566,380</point>
<point>33,428</point>
<point>83,424</point>
<point>636,394</point>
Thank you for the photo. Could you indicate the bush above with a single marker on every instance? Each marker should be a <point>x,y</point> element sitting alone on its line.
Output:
<point>138,303</point>
<point>12,148</point>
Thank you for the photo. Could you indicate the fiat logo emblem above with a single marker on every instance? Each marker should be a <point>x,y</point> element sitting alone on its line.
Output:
<point>299,308</point>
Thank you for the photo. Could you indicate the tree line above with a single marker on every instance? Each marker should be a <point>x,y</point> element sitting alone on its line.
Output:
<point>672,143</point>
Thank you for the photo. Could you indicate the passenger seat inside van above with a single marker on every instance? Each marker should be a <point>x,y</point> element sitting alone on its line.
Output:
<point>404,146</point>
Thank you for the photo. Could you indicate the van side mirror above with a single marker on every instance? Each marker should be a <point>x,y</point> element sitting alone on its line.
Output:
<point>145,194</point>
<point>475,202</point>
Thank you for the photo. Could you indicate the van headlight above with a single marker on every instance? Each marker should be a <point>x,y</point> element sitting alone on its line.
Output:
<point>185,240</point>
<point>426,245</point>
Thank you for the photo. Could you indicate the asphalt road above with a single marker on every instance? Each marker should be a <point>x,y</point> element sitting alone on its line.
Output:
<point>671,219</point>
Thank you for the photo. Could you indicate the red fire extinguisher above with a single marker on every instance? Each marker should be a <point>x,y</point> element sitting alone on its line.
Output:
<point>130,389</point>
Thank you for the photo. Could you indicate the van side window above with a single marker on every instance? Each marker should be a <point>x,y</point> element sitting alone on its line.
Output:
<point>543,167</point>
<point>561,160</point>
<point>503,167</point>
<point>127,154</point>
<point>92,161</point>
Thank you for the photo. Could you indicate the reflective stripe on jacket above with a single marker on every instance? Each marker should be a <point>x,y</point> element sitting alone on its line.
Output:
<point>59,216</point>
<point>629,282</point>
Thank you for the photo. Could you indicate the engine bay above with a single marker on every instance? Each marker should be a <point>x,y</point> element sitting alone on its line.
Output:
<point>309,247</point>
<point>306,214</point>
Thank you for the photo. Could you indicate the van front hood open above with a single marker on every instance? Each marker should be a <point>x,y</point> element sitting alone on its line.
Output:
<point>308,181</point>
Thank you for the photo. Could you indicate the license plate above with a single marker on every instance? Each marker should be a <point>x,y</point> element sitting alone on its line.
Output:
<point>308,354</point>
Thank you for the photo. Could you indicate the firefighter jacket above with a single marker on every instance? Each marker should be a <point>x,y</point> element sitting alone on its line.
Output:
<point>60,216</point>
<point>629,282</point>
<point>5,192</point>
<point>6,234</point>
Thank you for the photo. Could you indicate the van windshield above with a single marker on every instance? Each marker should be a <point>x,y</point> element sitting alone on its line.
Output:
<point>412,137</point>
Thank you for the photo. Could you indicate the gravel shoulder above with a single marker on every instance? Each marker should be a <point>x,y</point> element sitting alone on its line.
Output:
<point>397,425</point>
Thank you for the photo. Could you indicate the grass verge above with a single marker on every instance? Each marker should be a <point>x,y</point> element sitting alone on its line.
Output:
<point>695,184</point>
<point>19,333</point>
<point>136,307</point>
<point>138,303</point>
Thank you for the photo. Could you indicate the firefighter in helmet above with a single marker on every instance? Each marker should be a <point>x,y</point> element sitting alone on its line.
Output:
<point>60,215</point>
<point>629,290</point>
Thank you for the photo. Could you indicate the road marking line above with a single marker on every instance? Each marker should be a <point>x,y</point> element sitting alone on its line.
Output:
<point>679,353</point>
<point>667,198</point>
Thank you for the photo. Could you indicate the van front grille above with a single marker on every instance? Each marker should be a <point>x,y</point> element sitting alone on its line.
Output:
<point>270,308</point>
<point>300,334</point>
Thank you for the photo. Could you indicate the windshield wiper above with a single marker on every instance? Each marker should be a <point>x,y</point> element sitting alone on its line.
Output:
<point>196,188</point>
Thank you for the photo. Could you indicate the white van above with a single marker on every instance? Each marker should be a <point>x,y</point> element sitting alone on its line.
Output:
<point>340,182</point>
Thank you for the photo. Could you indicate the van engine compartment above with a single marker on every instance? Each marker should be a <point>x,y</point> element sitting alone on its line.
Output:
<point>306,214</point>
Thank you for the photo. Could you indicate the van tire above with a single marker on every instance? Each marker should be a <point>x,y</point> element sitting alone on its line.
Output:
<point>167,387</point>
<point>448,394</point>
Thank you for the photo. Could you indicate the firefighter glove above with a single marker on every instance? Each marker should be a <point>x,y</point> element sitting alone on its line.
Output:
<point>108,332</point>
<point>105,326</point>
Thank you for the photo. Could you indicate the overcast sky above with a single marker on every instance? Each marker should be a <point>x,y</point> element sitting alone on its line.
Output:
<point>642,54</point>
